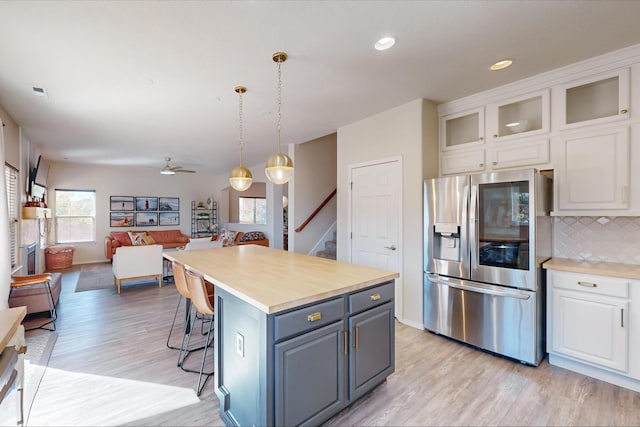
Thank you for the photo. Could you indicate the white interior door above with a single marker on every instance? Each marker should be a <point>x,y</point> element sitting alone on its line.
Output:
<point>375,218</point>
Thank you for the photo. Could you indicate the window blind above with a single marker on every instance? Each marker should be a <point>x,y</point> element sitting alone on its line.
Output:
<point>11,180</point>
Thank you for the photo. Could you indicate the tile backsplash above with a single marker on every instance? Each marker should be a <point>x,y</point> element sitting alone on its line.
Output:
<point>610,239</point>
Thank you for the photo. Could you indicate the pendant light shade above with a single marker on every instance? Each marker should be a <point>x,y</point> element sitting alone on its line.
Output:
<point>240,178</point>
<point>279,168</point>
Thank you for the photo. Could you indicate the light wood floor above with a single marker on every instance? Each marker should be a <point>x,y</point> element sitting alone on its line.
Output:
<point>110,366</point>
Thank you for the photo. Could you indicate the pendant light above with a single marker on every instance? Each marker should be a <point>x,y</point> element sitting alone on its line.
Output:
<point>279,167</point>
<point>240,178</point>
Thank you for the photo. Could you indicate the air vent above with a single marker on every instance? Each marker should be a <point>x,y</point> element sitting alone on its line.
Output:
<point>39,91</point>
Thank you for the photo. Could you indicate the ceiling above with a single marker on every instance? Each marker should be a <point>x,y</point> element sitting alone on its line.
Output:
<point>131,82</point>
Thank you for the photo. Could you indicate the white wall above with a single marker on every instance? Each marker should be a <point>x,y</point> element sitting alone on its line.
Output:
<point>315,179</point>
<point>118,181</point>
<point>411,132</point>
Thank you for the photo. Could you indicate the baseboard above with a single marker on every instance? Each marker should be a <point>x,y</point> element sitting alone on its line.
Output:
<point>410,323</point>
<point>594,372</point>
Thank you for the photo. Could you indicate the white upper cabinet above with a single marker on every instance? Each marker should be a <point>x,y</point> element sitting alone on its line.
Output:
<point>462,130</point>
<point>592,171</point>
<point>519,117</point>
<point>598,99</point>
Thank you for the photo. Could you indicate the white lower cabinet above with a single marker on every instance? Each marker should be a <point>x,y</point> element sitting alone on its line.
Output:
<point>589,328</point>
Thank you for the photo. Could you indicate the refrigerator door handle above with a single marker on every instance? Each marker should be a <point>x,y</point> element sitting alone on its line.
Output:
<point>473,227</point>
<point>481,288</point>
<point>464,232</point>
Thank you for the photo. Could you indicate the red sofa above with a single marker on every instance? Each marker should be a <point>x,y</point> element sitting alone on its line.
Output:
<point>169,239</point>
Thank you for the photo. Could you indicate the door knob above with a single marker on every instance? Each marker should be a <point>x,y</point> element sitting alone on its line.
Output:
<point>392,247</point>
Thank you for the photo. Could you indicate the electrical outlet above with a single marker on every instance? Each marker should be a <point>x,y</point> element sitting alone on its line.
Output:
<point>240,344</point>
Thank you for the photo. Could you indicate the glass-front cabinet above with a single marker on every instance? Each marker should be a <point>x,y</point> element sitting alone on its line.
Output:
<point>462,129</point>
<point>594,100</point>
<point>518,117</point>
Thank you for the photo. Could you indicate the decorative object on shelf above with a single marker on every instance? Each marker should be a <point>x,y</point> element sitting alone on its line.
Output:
<point>279,168</point>
<point>121,203</point>
<point>240,178</point>
<point>171,170</point>
<point>210,202</point>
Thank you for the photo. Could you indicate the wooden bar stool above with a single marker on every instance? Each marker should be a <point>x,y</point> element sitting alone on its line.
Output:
<point>41,280</point>
<point>201,300</point>
<point>180,280</point>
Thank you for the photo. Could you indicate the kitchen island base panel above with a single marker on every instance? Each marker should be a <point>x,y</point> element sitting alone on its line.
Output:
<point>267,377</point>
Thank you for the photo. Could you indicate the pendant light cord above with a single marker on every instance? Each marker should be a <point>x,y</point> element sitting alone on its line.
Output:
<point>240,140</point>
<point>279,100</point>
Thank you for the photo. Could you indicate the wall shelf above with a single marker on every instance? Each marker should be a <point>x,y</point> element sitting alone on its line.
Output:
<point>29,212</point>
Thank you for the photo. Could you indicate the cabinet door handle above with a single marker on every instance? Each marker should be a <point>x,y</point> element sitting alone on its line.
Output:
<point>481,165</point>
<point>495,163</point>
<point>622,317</point>
<point>588,284</point>
<point>356,342</point>
<point>495,135</point>
<point>624,111</point>
<point>481,139</point>
<point>375,297</point>
<point>345,342</point>
<point>314,316</point>
<point>624,194</point>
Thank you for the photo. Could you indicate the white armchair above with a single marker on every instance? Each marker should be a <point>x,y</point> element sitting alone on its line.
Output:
<point>136,263</point>
<point>195,244</point>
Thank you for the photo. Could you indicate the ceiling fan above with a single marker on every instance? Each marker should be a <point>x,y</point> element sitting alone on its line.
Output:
<point>171,170</point>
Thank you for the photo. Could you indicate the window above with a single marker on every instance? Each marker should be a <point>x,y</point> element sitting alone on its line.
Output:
<point>253,210</point>
<point>75,216</point>
<point>11,181</point>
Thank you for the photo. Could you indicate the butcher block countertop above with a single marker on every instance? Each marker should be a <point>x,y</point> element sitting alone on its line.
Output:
<point>626,271</point>
<point>274,280</point>
<point>10,319</point>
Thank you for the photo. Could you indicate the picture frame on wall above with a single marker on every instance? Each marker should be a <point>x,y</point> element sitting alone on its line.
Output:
<point>169,218</point>
<point>122,203</point>
<point>169,204</point>
<point>146,204</point>
<point>146,219</point>
<point>121,219</point>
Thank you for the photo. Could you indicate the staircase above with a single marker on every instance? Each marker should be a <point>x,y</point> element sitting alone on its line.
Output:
<point>329,250</point>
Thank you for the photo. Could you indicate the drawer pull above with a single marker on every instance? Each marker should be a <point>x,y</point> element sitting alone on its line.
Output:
<point>624,111</point>
<point>588,284</point>
<point>622,317</point>
<point>22,349</point>
<point>375,297</point>
<point>314,316</point>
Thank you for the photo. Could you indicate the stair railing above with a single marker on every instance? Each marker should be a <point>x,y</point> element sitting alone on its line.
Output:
<point>317,210</point>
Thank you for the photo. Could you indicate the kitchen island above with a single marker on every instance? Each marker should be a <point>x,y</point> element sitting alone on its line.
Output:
<point>297,338</point>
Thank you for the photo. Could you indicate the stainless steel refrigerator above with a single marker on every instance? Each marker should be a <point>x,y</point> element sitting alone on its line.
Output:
<point>485,239</point>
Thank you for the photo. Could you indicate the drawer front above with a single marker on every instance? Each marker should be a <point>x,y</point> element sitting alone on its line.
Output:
<point>308,318</point>
<point>592,283</point>
<point>371,297</point>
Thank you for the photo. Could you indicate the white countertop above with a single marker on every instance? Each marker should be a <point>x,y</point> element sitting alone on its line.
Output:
<point>273,280</point>
<point>10,319</point>
<point>627,271</point>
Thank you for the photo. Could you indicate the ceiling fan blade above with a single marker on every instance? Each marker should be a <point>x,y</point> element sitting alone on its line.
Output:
<point>184,170</point>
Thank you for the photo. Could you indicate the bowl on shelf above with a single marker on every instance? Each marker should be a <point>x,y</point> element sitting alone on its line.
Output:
<point>518,126</point>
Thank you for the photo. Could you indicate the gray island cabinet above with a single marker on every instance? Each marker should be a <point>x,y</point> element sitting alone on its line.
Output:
<point>297,338</point>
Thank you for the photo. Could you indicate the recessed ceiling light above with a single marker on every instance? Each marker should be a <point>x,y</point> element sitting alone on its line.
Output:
<point>39,91</point>
<point>385,43</point>
<point>500,65</point>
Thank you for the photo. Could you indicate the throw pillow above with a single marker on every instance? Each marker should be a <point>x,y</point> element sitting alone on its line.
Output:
<point>148,240</point>
<point>122,237</point>
<point>137,237</point>
<point>252,235</point>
